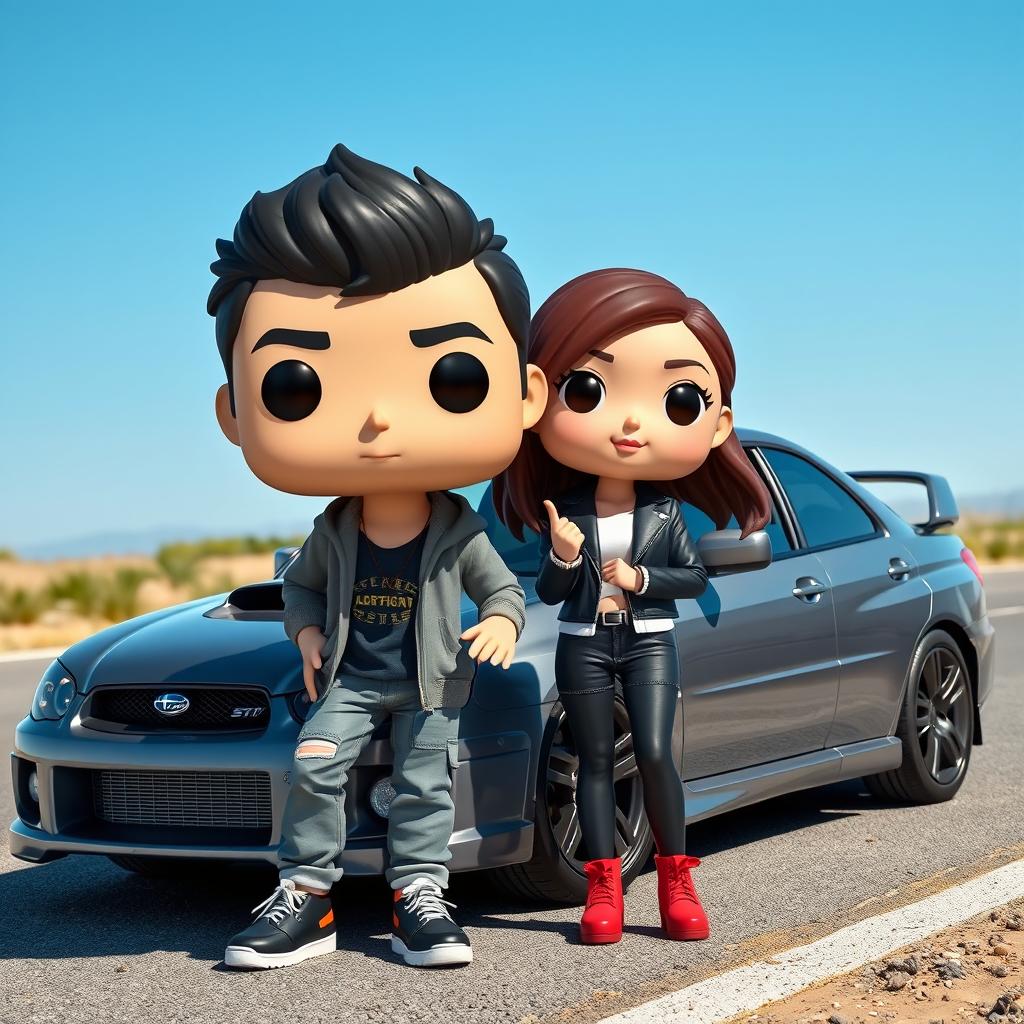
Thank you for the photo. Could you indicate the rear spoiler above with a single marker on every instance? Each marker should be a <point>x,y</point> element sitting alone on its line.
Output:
<point>942,507</point>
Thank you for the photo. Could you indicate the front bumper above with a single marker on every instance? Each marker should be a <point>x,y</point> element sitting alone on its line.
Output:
<point>492,787</point>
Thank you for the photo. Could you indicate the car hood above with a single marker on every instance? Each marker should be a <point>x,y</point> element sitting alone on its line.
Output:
<point>182,644</point>
<point>186,644</point>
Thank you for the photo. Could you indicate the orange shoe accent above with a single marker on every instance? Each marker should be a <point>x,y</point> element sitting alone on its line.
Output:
<point>602,919</point>
<point>327,918</point>
<point>682,916</point>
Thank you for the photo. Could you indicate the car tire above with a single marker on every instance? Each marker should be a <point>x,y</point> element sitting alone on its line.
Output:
<point>936,726</point>
<point>553,874</point>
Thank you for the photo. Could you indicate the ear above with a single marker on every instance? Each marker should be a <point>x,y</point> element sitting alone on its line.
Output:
<point>228,423</point>
<point>536,399</point>
<point>724,428</point>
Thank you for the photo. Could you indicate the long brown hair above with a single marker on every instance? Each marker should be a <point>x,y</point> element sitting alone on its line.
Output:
<point>586,313</point>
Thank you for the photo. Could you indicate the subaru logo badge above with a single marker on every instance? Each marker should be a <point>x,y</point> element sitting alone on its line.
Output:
<point>171,704</point>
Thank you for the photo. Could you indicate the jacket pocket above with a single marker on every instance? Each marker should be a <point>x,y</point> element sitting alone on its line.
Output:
<point>448,636</point>
<point>326,654</point>
<point>453,660</point>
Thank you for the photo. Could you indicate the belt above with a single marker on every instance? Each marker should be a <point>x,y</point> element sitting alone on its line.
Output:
<point>617,618</point>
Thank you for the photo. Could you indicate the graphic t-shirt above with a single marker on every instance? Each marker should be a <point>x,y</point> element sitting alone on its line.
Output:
<point>382,625</point>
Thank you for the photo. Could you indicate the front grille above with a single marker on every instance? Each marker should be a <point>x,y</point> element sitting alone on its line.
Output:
<point>210,709</point>
<point>183,799</point>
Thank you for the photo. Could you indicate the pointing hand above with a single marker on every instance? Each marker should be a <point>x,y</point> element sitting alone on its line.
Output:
<point>566,536</point>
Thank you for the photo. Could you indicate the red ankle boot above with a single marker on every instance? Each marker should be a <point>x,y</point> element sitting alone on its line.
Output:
<point>602,918</point>
<point>682,916</point>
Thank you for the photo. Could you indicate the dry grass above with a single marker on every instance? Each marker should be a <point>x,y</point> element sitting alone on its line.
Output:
<point>134,583</point>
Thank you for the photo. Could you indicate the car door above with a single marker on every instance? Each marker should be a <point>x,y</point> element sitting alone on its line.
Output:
<point>881,600</point>
<point>760,674</point>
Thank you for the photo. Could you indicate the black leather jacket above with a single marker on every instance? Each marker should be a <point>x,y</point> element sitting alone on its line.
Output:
<point>661,545</point>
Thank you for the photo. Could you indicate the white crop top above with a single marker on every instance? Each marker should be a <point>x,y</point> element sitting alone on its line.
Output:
<point>615,539</point>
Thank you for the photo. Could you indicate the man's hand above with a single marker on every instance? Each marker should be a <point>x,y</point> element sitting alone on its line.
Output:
<point>621,574</point>
<point>311,642</point>
<point>566,536</point>
<point>494,640</point>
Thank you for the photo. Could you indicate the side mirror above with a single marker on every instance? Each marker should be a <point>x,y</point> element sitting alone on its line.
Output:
<point>724,551</point>
<point>282,556</point>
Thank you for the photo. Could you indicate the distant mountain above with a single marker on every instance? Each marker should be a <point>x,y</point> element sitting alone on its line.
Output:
<point>144,542</point>
<point>1006,504</point>
<point>1009,504</point>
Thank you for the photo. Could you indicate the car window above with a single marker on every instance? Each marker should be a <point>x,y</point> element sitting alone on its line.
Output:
<point>827,513</point>
<point>698,523</point>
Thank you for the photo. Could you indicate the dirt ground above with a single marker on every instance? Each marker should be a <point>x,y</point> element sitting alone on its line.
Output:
<point>974,969</point>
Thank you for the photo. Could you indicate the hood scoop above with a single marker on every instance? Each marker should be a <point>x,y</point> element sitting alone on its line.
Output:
<point>255,602</point>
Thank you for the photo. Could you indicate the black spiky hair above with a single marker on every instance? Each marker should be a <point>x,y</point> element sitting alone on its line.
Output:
<point>367,230</point>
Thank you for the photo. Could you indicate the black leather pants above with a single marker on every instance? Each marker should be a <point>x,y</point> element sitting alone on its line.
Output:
<point>647,665</point>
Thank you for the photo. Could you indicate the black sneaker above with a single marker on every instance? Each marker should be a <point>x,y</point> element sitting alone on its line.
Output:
<point>424,933</point>
<point>290,927</point>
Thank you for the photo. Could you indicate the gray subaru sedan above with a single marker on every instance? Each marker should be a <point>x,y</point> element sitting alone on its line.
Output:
<point>844,640</point>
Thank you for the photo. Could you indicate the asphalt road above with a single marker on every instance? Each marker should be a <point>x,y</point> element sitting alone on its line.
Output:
<point>80,939</point>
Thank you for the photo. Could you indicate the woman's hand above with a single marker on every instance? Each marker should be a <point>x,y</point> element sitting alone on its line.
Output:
<point>311,642</point>
<point>494,640</point>
<point>621,574</point>
<point>566,536</point>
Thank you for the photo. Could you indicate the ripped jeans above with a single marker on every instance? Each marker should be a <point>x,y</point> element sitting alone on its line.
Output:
<point>422,812</point>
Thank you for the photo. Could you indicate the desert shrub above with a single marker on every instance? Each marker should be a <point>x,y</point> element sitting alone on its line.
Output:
<point>179,561</point>
<point>997,548</point>
<point>120,595</point>
<point>92,595</point>
<point>20,606</point>
<point>79,590</point>
<point>7,555</point>
<point>222,583</point>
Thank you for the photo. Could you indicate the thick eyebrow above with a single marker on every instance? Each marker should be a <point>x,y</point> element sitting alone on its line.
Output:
<point>675,364</point>
<point>428,336</point>
<point>598,354</point>
<point>297,339</point>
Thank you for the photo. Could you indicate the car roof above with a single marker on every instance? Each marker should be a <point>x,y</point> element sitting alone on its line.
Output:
<point>762,437</point>
<point>748,436</point>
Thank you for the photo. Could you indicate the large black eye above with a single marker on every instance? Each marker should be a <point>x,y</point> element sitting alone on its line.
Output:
<point>685,403</point>
<point>459,382</point>
<point>582,391</point>
<point>291,390</point>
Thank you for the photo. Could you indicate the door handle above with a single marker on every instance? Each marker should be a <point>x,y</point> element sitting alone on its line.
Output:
<point>898,569</point>
<point>808,589</point>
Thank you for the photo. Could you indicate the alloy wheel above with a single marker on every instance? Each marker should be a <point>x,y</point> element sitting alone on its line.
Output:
<point>562,772</point>
<point>943,715</point>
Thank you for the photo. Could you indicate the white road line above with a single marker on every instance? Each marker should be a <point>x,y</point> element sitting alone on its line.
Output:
<point>997,613</point>
<point>746,988</point>
<point>37,655</point>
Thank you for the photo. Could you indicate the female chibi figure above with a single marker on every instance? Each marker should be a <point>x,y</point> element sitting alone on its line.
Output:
<point>638,418</point>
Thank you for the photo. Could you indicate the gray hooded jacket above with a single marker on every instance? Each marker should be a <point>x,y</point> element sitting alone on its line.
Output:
<point>457,557</point>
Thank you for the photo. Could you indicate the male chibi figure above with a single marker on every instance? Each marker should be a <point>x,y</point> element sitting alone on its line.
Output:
<point>374,337</point>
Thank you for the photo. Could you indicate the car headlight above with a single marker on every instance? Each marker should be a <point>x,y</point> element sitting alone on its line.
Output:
<point>54,694</point>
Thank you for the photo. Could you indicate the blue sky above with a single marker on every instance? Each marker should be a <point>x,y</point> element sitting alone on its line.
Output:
<point>841,183</point>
